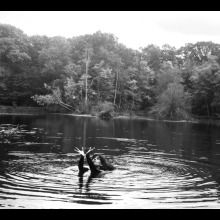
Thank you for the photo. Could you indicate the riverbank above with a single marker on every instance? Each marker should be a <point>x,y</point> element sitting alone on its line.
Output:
<point>21,110</point>
<point>25,110</point>
<point>215,121</point>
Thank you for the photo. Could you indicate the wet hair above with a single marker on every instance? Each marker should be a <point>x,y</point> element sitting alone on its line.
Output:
<point>101,158</point>
<point>104,163</point>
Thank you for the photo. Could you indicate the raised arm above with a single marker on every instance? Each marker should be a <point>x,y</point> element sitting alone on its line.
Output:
<point>92,166</point>
<point>82,169</point>
<point>81,163</point>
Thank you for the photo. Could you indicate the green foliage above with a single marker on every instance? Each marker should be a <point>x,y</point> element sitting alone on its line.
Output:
<point>56,72</point>
<point>173,103</point>
<point>197,53</point>
<point>167,75</point>
<point>102,106</point>
<point>52,99</point>
<point>152,55</point>
<point>168,54</point>
<point>205,81</point>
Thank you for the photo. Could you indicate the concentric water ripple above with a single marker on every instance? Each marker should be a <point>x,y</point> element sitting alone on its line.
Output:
<point>159,180</point>
<point>39,170</point>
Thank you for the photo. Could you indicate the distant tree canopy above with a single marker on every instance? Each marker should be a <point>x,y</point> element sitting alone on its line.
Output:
<point>79,74</point>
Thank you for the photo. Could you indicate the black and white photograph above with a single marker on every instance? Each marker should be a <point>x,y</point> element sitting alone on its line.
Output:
<point>109,109</point>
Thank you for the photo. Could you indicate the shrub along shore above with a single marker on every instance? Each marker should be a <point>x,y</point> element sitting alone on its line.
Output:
<point>21,110</point>
<point>18,110</point>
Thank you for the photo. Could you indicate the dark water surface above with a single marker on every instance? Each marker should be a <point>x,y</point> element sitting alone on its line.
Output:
<point>159,164</point>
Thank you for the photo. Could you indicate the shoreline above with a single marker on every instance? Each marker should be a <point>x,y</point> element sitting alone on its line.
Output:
<point>21,110</point>
<point>202,121</point>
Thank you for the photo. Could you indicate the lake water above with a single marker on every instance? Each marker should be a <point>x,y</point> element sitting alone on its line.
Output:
<point>159,164</point>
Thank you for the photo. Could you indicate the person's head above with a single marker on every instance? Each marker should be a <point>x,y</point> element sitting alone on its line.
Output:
<point>98,160</point>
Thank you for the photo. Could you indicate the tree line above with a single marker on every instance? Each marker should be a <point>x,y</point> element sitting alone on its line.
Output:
<point>94,72</point>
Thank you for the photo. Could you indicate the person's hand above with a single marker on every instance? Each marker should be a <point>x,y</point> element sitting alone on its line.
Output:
<point>81,152</point>
<point>90,149</point>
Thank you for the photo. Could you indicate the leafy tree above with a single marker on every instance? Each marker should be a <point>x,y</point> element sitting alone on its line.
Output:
<point>55,58</point>
<point>167,74</point>
<point>168,54</point>
<point>173,103</point>
<point>51,99</point>
<point>103,82</point>
<point>152,55</point>
<point>37,44</point>
<point>110,75</point>
<point>14,62</point>
<point>197,53</point>
<point>205,87</point>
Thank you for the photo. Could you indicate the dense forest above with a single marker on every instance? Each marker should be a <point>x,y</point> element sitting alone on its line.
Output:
<point>94,73</point>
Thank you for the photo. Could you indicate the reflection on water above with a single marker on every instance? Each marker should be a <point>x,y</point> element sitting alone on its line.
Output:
<point>159,164</point>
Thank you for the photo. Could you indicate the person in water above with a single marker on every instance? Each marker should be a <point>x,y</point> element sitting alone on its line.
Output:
<point>97,163</point>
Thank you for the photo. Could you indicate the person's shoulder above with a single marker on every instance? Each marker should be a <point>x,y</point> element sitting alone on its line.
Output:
<point>109,167</point>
